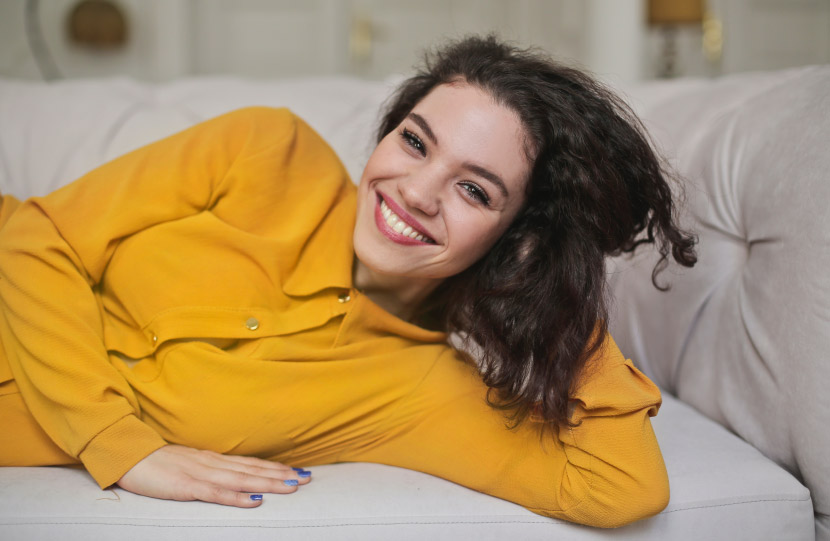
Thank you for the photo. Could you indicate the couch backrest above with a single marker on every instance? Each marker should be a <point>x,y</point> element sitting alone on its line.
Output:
<point>50,134</point>
<point>744,336</point>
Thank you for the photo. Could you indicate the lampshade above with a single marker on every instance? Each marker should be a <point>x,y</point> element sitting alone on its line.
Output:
<point>675,11</point>
<point>97,24</point>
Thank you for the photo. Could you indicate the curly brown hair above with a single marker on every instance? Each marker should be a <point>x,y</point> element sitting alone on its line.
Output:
<point>536,304</point>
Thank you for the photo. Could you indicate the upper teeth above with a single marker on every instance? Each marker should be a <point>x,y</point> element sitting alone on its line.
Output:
<point>396,223</point>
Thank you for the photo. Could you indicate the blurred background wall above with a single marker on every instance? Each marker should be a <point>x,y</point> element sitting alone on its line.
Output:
<point>627,40</point>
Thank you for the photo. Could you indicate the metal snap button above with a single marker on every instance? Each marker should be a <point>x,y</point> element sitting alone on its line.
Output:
<point>344,297</point>
<point>252,324</point>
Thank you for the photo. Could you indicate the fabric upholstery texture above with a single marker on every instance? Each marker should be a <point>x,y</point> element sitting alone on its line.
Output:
<point>743,337</point>
<point>53,134</point>
<point>723,489</point>
<point>739,337</point>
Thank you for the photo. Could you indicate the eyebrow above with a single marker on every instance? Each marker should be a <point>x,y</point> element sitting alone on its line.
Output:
<point>489,175</point>
<point>473,168</point>
<point>424,125</point>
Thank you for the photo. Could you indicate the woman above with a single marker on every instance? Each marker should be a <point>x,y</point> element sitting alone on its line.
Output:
<point>193,319</point>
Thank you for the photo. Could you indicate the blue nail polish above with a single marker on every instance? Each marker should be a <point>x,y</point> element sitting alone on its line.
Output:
<point>298,470</point>
<point>256,497</point>
<point>291,482</point>
<point>304,474</point>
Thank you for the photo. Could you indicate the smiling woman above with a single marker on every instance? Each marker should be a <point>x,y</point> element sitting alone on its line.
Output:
<point>533,302</point>
<point>438,175</point>
<point>198,319</point>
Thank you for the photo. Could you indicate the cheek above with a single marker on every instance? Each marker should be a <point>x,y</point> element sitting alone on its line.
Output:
<point>363,186</point>
<point>475,237</point>
<point>382,159</point>
<point>370,172</point>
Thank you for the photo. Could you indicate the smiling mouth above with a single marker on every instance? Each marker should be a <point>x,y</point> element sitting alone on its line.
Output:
<point>400,226</point>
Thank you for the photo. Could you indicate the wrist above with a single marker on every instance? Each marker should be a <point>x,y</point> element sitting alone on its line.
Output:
<point>119,447</point>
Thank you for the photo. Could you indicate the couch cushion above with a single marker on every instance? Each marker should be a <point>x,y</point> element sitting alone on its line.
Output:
<point>743,336</point>
<point>53,133</point>
<point>50,134</point>
<point>721,489</point>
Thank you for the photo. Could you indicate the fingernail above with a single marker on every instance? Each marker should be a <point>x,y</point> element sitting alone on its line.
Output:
<point>256,497</point>
<point>304,473</point>
<point>298,470</point>
<point>291,482</point>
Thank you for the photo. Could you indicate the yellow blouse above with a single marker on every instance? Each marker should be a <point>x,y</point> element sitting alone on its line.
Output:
<point>198,291</point>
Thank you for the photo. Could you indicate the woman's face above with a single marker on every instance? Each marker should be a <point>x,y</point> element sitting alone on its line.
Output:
<point>441,188</point>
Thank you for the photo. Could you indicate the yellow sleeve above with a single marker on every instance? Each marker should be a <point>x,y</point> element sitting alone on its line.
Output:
<point>606,472</point>
<point>53,253</point>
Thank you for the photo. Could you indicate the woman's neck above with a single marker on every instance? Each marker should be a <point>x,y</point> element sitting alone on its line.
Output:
<point>398,295</point>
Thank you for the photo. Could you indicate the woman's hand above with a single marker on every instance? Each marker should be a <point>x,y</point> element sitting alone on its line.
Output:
<point>174,472</point>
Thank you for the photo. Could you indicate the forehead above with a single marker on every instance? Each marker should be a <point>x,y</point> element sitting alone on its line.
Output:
<point>472,127</point>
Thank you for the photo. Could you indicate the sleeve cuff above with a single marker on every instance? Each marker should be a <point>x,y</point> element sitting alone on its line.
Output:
<point>615,390</point>
<point>118,448</point>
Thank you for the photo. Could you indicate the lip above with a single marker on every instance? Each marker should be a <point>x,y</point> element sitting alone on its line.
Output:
<point>390,233</point>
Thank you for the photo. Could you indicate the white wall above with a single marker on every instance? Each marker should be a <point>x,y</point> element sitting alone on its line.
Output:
<point>757,35</point>
<point>608,25</point>
<point>157,48</point>
<point>271,38</point>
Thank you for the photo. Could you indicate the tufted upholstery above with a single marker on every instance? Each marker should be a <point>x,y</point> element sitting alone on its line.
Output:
<point>744,336</point>
<point>739,337</point>
<point>55,133</point>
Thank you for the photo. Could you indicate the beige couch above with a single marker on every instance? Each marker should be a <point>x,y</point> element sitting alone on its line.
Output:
<point>738,345</point>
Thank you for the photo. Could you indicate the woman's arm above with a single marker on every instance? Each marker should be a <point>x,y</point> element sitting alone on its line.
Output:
<point>54,251</point>
<point>608,471</point>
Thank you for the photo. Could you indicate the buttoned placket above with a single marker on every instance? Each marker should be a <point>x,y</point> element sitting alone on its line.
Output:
<point>347,301</point>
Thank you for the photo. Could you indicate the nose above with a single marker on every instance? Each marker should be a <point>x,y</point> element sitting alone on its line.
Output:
<point>421,190</point>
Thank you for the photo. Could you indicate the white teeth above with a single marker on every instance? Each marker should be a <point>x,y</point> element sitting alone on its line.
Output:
<point>397,224</point>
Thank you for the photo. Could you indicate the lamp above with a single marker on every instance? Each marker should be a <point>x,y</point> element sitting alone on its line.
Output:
<point>668,15</point>
<point>97,24</point>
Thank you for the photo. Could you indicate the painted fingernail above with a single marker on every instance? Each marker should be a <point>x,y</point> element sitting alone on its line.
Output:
<point>298,470</point>
<point>291,482</point>
<point>256,497</point>
<point>304,473</point>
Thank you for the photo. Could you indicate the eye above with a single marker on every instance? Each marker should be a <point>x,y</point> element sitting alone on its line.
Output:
<point>414,141</point>
<point>474,191</point>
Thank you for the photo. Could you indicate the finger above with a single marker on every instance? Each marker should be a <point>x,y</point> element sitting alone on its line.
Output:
<point>253,461</point>
<point>211,493</point>
<point>301,477</point>
<point>246,482</point>
<point>257,467</point>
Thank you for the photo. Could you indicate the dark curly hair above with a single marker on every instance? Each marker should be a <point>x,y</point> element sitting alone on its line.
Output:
<point>536,305</point>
